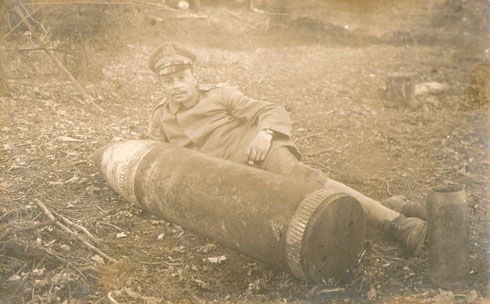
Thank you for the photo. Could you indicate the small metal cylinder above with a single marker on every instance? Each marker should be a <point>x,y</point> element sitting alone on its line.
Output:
<point>448,236</point>
<point>317,234</point>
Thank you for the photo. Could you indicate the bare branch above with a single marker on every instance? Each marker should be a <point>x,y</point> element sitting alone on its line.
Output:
<point>68,230</point>
<point>60,66</point>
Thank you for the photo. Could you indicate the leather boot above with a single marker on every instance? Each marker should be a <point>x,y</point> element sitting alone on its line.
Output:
<point>408,209</point>
<point>410,232</point>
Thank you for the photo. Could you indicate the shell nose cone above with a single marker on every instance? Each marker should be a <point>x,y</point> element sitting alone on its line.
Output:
<point>121,152</point>
<point>118,163</point>
<point>97,156</point>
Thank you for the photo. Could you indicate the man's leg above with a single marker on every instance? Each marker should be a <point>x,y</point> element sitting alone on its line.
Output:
<point>377,215</point>
<point>282,161</point>
<point>409,231</point>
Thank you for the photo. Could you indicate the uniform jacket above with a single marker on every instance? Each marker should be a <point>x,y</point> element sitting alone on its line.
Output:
<point>222,123</point>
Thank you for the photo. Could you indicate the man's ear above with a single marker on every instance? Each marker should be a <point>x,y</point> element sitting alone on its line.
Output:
<point>196,76</point>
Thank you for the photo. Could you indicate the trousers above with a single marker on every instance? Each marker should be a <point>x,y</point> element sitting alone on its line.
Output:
<point>282,161</point>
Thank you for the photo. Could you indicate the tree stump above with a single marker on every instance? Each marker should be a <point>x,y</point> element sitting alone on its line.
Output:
<point>478,89</point>
<point>400,90</point>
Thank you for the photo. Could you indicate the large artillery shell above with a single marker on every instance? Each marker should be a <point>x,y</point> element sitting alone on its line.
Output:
<point>315,233</point>
<point>448,236</point>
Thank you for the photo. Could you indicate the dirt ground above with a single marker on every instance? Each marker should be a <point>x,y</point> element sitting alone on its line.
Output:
<point>331,79</point>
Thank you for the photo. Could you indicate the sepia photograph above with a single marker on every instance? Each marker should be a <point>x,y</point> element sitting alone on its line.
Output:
<point>244,151</point>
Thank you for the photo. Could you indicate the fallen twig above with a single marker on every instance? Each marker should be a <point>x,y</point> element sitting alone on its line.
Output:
<point>106,213</point>
<point>388,188</point>
<point>9,212</point>
<point>327,291</point>
<point>68,230</point>
<point>34,19</point>
<point>319,152</point>
<point>384,171</point>
<point>393,259</point>
<point>62,260</point>
<point>256,10</point>
<point>109,296</point>
<point>186,16</point>
<point>154,263</point>
<point>79,227</point>
<point>18,24</point>
<point>14,259</point>
<point>22,229</point>
<point>129,3</point>
<point>36,49</point>
<point>112,225</point>
<point>51,217</point>
<point>309,136</point>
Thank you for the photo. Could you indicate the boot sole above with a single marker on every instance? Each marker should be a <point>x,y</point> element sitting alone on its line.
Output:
<point>415,250</point>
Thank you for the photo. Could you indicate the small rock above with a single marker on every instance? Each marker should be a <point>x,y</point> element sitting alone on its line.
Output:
<point>121,235</point>
<point>429,88</point>
<point>183,5</point>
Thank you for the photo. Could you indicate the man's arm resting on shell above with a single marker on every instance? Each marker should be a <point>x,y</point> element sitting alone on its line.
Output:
<point>259,146</point>
<point>269,117</point>
<point>266,115</point>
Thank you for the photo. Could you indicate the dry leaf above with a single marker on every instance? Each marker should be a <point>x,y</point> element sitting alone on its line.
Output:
<point>371,294</point>
<point>15,277</point>
<point>72,180</point>
<point>216,260</point>
<point>97,259</point>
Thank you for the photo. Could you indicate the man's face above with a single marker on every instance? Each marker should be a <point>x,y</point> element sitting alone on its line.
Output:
<point>180,87</point>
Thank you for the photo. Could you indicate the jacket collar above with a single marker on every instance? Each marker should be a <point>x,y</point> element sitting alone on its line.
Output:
<point>173,108</point>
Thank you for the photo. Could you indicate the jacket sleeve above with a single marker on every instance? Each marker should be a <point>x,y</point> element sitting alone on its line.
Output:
<point>155,130</point>
<point>266,115</point>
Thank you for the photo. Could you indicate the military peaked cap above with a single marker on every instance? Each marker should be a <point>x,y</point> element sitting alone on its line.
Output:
<point>170,57</point>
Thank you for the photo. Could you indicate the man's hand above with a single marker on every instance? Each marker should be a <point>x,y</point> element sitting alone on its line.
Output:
<point>258,147</point>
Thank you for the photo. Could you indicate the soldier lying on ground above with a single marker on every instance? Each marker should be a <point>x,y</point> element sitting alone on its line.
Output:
<point>220,121</point>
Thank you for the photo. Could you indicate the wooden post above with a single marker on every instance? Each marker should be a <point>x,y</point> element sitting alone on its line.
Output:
<point>60,66</point>
<point>400,90</point>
